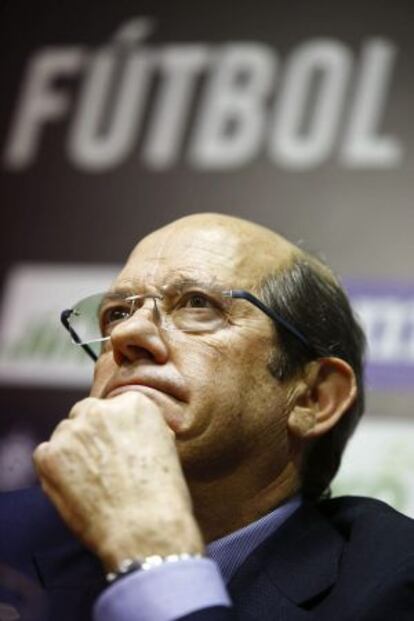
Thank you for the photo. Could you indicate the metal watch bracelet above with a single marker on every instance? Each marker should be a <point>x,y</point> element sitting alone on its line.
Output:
<point>129,565</point>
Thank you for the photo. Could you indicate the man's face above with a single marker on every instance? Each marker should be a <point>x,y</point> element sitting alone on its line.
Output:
<point>214,389</point>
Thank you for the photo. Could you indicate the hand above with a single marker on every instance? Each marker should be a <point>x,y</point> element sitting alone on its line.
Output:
<point>113,473</point>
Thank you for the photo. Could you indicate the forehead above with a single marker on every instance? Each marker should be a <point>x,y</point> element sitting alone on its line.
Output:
<point>206,252</point>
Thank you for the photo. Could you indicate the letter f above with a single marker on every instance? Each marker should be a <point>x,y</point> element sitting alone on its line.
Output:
<point>40,102</point>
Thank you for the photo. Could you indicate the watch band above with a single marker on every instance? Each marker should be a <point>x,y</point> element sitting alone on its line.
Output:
<point>146,563</point>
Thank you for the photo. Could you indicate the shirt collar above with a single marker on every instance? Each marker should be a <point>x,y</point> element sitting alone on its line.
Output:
<point>230,551</point>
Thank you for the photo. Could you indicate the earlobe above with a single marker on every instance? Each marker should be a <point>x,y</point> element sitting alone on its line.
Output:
<point>330,392</point>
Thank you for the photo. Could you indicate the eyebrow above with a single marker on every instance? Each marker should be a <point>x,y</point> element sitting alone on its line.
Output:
<point>180,284</point>
<point>175,285</point>
<point>108,296</point>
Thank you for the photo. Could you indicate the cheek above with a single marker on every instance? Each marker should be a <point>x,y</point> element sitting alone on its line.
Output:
<point>225,359</point>
<point>207,365</point>
<point>211,376</point>
<point>222,377</point>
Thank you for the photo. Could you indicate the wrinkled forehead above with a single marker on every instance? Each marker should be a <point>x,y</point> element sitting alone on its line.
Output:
<point>217,255</point>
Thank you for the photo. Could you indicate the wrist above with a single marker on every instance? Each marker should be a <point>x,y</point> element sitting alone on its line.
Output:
<point>161,539</point>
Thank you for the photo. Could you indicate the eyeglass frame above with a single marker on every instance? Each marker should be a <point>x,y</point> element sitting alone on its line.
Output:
<point>232,293</point>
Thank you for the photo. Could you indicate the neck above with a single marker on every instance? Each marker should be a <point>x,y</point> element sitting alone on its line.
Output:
<point>224,505</point>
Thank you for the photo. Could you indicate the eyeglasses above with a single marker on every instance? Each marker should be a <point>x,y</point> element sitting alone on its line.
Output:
<point>91,321</point>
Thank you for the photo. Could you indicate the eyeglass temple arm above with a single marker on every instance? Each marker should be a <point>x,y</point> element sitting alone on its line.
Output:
<point>64,318</point>
<point>240,293</point>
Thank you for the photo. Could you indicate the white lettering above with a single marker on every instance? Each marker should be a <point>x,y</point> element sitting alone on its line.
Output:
<point>91,147</point>
<point>40,102</point>
<point>290,145</point>
<point>231,124</point>
<point>363,144</point>
<point>180,66</point>
<point>229,90</point>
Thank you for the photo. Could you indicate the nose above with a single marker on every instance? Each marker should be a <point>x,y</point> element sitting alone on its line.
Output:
<point>139,337</point>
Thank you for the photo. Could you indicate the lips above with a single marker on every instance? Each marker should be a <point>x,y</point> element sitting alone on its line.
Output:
<point>170,386</point>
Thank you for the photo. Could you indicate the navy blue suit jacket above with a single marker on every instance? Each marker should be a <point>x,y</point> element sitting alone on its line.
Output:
<point>347,559</point>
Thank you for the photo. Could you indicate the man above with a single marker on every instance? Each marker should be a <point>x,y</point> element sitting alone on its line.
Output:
<point>228,381</point>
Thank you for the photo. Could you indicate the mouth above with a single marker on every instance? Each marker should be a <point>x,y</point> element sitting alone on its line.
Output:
<point>146,390</point>
<point>151,386</point>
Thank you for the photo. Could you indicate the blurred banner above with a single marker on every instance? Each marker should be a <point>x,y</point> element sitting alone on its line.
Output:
<point>118,117</point>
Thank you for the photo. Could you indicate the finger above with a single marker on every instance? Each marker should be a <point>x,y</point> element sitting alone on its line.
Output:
<point>77,410</point>
<point>39,452</point>
<point>85,405</point>
<point>64,426</point>
<point>64,508</point>
<point>47,461</point>
<point>41,459</point>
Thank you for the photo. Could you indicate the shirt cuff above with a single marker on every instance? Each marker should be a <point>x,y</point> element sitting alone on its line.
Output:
<point>163,593</point>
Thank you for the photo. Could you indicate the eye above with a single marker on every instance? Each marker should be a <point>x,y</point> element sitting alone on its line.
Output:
<point>197,300</point>
<point>199,312</point>
<point>111,316</point>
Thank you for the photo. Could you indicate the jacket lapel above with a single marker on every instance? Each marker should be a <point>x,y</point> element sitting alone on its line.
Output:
<point>294,567</point>
<point>68,566</point>
<point>73,579</point>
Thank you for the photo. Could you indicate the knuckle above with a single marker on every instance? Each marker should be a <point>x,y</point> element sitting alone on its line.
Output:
<point>74,412</point>
<point>127,402</point>
<point>141,400</point>
<point>137,410</point>
<point>39,452</point>
<point>79,428</point>
<point>46,458</point>
<point>89,404</point>
<point>144,407</point>
<point>63,426</point>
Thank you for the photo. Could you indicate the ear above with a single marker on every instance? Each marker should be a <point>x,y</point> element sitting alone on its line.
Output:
<point>323,395</point>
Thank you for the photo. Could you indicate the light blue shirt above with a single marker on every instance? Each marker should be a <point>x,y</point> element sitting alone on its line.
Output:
<point>163,593</point>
